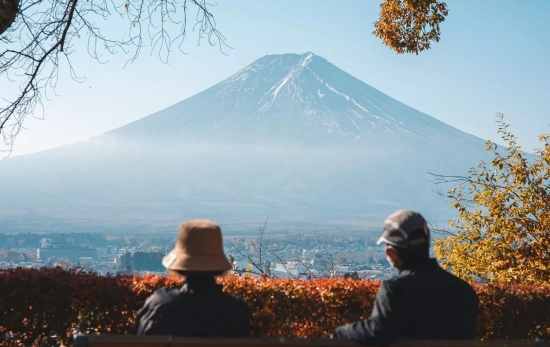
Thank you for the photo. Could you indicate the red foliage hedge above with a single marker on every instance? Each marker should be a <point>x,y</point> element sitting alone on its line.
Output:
<point>47,306</point>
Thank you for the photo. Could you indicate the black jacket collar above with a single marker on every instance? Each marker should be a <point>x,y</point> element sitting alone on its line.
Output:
<point>429,264</point>
<point>200,284</point>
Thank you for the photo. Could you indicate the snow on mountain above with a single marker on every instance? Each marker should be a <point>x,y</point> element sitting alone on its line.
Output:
<point>290,135</point>
<point>291,97</point>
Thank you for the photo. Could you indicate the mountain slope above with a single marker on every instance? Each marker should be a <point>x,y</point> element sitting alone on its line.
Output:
<point>291,135</point>
<point>289,97</point>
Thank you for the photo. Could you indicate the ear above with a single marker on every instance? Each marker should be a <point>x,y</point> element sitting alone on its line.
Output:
<point>390,252</point>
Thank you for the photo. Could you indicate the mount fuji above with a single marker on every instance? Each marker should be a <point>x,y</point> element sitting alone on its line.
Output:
<point>289,97</point>
<point>289,135</point>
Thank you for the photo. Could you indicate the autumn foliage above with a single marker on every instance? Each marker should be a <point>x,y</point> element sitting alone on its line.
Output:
<point>503,228</point>
<point>8,11</point>
<point>45,307</point>
<point>409,26</point>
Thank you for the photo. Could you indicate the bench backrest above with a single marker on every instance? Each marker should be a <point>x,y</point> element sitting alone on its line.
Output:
<point>168,341</point>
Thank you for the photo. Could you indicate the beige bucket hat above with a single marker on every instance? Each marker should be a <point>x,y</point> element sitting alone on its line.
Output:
<point>198,248</point>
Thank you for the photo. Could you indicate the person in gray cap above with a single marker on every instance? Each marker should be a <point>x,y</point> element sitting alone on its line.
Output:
<point>200,308</point>
<point>424,301</point>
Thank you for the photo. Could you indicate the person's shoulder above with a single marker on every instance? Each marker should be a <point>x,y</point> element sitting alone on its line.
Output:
<point>457,285</point>
<point>393,283</point>
<point>237,302</point>
<point>162,297</point>
<point>405,277</point>
<point>460,283</point>
<point>398,279</point>
<point>152,309</point>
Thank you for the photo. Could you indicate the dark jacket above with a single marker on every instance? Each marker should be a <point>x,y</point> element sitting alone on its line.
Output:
<point>198,309</point>
<point>422,302</point>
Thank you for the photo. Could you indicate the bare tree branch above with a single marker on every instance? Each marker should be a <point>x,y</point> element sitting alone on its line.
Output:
<point>332,262</point>
<point>256,259</point>
<point>68,25</point>
<point>41,41</point>
<point>435,228</point>
<point>291,266</point>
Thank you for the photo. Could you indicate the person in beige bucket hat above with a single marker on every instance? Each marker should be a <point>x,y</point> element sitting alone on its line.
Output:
<point>200,308</point>
<point>198,248</point>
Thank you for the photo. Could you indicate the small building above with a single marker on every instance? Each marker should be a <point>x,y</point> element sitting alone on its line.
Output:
<point>66,252</point>
<point>64,248</point>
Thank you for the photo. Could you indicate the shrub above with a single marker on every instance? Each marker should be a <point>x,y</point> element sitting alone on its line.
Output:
<point>47,306</point>
<point>514,312</point>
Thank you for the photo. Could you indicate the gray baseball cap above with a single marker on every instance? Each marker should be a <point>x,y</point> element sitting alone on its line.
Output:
<point>400,225</point>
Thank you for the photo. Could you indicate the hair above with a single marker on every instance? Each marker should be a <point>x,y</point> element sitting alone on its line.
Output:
<point>416,253</point>
<point>198,273</point>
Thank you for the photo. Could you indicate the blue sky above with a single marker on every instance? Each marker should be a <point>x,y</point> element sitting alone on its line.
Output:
<point>493,57</point>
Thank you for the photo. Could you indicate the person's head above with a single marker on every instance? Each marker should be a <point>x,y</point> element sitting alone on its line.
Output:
<point>407,238</point>
<point>198,251</point>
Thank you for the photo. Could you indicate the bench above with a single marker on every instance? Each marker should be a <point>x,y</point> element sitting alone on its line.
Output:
<point>168,341</point>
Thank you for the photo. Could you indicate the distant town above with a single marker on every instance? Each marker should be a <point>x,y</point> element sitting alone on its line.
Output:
<point>304,256</point>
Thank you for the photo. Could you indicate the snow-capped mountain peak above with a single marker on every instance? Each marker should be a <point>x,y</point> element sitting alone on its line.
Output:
<point>292,97</point>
